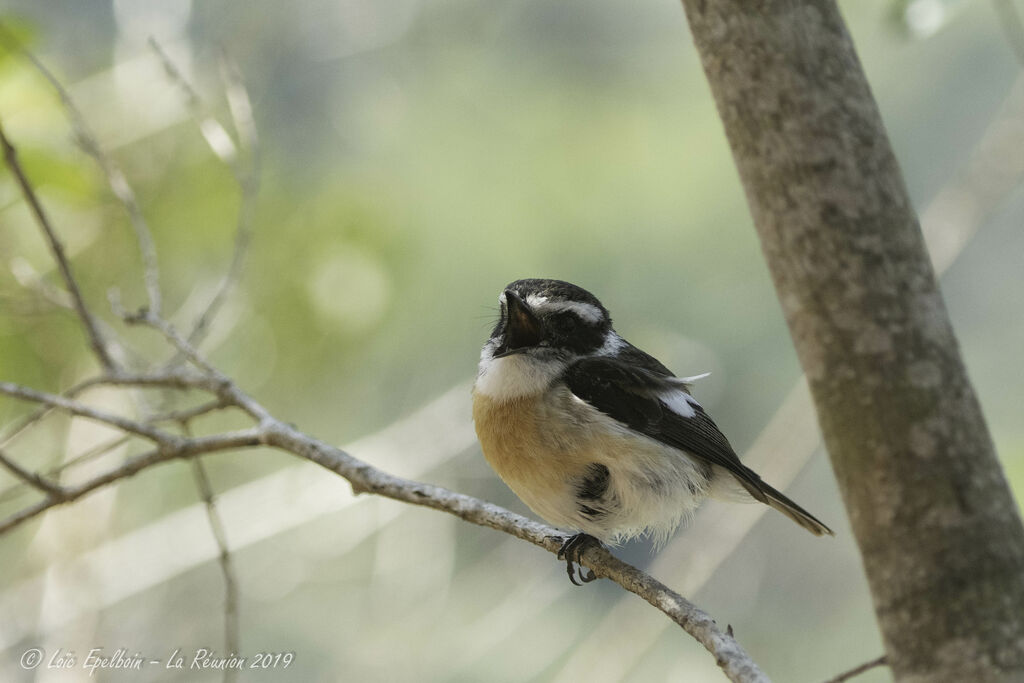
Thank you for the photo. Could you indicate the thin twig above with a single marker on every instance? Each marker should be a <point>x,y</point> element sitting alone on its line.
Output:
<point>181,448</point>
<point>163,380</point>
<point>149,319</point>
<point>28,278</point>
<point>183,416</point>
<point>227,570</point>
<point>858,670</point>
<point>216,135</point>
<point>96,340</point>
<point>248,179</point>
<point>117,181</point>
<point>35,416</point>
<point>226,389</point>
<point>240,105</point>
<point>77,408</point>
<point>54,472</point>
<point>31,280</point>
<point>225,148</point>
<point>186,415</point>
<point>30,478</point>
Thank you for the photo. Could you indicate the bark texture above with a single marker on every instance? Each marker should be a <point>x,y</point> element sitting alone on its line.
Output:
<point>937,526</point>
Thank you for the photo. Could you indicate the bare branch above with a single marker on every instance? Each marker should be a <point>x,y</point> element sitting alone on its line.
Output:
<point>30,279</point>
<point>96,340</point>
<point>186,415</point>
<point>117,181</point>
<point>179,448</point>
<point>249,183</point>
<point>363,477</point>
<point>35,416</point>
<point>170,380</point>
<point>150,319</point>
<point>240,106</point>
<point>82,410</point>
<point>231,637</point>
<point>215,381</point>
<point>733,660</point>
<point>95,452</point>
<point>183,416</point>
<point>30,478</point>
<point>858,670</point>
<point>165,379</point>
<point>224,147</point>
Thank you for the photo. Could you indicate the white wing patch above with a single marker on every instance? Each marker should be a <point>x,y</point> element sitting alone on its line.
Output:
<point>679,402</point>
<point>613,343</point>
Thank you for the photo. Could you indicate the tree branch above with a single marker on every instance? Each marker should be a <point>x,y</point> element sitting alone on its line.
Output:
<point>31,478</point>
<point>227,570</point>
<point>858,670</point>
<point>181,448</point>
<point>365,478</point>
<point>96,340</point>
<point>115,178</point>
<point>229,152</point>
<point>77,408</point>
<point>935,522</point>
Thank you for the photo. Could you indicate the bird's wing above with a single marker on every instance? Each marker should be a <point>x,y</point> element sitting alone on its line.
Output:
<point>656,406</point>
<point>659,406</point>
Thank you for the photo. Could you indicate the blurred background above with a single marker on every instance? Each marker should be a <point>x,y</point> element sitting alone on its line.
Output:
<point>414,156</point>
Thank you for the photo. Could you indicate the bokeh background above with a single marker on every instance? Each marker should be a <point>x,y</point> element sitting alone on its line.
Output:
<point>415,156</point>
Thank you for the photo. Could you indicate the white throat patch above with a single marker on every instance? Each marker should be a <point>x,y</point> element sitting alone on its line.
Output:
<point>516,376</point>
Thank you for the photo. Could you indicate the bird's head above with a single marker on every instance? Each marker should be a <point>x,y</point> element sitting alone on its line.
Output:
<point>549,318</point>
<point>543,325</point>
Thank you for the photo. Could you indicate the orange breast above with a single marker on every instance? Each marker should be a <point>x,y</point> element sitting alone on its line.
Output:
<point>517,446</point>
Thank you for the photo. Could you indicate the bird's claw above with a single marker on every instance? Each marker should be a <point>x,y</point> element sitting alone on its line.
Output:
<point>571,550</point>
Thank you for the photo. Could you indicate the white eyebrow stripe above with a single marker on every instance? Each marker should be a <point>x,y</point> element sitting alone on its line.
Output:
<point>587,312</point>
<point>679,402</point>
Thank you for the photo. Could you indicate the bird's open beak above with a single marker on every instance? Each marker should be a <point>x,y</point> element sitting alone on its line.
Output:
<point>522,328</point>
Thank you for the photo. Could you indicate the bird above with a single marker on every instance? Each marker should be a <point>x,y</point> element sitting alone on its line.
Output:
<point>593,434</point>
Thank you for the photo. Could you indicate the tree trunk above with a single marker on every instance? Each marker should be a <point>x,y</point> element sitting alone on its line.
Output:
<point>938,529</point>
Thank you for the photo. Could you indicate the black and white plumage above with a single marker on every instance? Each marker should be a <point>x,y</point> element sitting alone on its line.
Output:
<point>593,434</point>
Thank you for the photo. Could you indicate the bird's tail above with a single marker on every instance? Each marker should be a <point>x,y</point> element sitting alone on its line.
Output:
<point>737,484</point>
<point>761,491</point>
<point>796,513</point>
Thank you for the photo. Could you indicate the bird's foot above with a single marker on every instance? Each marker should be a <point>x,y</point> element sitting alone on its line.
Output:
<point>571,550</point>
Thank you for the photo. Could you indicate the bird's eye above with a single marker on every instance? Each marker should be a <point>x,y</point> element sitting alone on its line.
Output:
<point>562,323</point>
